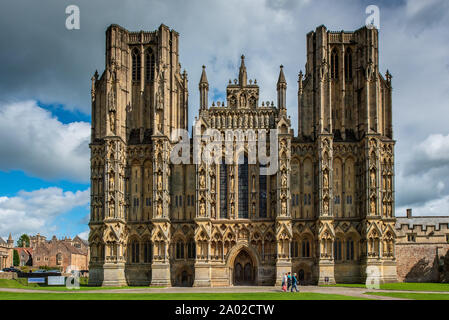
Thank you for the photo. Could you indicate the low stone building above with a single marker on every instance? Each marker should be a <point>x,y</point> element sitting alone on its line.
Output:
<point>6,252</point>
<point>65,254</point>
<point>422,244</point>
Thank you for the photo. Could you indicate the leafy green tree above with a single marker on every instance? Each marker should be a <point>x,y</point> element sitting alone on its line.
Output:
<point>15,258</point>
<point>24,241</point>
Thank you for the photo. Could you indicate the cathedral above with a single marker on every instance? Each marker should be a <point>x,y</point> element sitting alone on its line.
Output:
<point>326,212</point>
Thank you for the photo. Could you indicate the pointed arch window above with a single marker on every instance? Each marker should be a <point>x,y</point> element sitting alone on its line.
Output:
<point>223,189</point>
<point>348,64</point>
<point>334,64</point>
<point>150,63</point>
<point>136,63</point>
<point>243,188</point>
<point>350,249</point>
<point>262,194</point>
<point>147,252</point>
<point>305,248</point>
<point>135,252</point>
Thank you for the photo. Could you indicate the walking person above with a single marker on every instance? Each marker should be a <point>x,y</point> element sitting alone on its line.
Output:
<point>294,283</point>
<point>289,281</point>
<point>284,282</point>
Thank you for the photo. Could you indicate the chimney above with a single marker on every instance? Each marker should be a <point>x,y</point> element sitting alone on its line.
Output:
<point>409,213</point>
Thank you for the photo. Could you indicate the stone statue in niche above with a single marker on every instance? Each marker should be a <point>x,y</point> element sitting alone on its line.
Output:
<point>326,179</point>
<point>284,180</point>
<point>159,180</point>
<point>284,207</point>
<point>373,206</point>
<point>373,178</point>
<point>213,210</point>
<point>202,209</point>
<point>243,101</point>
<point>111,209</point>
<point>232,210</point>
<point>159,209</point>
<point>212,183</point>
<point>112,121</point>
<point>202,180</point>
<point>111,181</point>
<point>254,183</point>
<point>231,178</point>
<point>326,206</point>
<point>233,101</point>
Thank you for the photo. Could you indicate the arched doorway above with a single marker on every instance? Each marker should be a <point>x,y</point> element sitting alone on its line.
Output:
<point>244,271</point>
<point>184,278</point>
<point>301,275</point>
<point>304,274</point>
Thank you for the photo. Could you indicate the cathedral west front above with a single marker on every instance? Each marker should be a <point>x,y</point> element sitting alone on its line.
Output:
<point>326,212</point>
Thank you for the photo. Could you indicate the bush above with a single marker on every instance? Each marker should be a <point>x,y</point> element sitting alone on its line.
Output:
<point>16,258</point>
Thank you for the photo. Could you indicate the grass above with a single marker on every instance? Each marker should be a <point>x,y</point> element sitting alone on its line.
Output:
<point>413,296</point>
<point>22,283</point>
<point>405,286</point>
<point>174,296</point>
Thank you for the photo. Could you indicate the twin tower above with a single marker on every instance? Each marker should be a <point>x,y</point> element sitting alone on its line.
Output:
<point>327,213</point>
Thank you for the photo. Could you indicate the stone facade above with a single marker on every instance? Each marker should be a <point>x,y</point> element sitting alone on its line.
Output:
<point>422,248</point>
<point>6,252</point>
<point>65,254</point>
<point>327,213</point>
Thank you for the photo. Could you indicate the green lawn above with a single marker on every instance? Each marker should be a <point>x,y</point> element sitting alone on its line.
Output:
<point>174,296</point>
<point>413,296</point>
<point>21,283</point>
<point>406,286</point>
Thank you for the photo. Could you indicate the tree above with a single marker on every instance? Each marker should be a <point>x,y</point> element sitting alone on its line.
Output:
<point>16,258</point>
<point>24,241</point>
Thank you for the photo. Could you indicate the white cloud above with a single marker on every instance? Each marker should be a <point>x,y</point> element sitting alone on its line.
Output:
<point>84,235</point>
<point>39,144</point>
<point>436,207</point>
<point>411,45</point>
<point>424,175</point>
<point>35,211</point>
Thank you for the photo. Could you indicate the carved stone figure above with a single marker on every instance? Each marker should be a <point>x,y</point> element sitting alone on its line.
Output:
<point>326,179</point>
<point>284,179</point>
<point>202,209</point>
<point>202,180</point>
<point>159,181</point>
<point>159,209</point>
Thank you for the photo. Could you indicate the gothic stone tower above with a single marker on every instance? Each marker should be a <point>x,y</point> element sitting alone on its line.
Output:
<point>345,142</point>
<point>136,103</point>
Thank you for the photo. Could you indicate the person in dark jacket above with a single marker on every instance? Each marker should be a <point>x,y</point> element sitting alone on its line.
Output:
<point>294,283</point>
<point>289,281</point>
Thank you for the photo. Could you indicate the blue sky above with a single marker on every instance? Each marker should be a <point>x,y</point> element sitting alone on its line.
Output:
<point>45,88</point>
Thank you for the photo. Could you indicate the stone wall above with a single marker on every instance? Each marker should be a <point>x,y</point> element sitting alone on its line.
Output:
<point>419,262</point>
<point>8,275</point>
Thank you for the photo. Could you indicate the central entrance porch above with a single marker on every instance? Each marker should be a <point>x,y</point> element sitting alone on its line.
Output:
<point>244,269</point>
